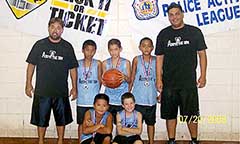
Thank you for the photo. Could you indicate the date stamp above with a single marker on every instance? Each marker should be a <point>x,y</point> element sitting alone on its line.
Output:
<point>211,119</point>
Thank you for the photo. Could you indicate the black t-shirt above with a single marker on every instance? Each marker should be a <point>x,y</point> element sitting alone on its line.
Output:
<point>53,61</point>
<point>179,48</point>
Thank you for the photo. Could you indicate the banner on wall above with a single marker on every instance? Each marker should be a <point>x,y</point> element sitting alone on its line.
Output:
<point>148,17</point>
<point>82,18</point>
<point>89,18</point>
<point>81,15</point>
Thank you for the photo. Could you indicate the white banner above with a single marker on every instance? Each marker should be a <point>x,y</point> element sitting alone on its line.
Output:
<point>88,19</point>
<point>148,17</point>
<point>84,19</point>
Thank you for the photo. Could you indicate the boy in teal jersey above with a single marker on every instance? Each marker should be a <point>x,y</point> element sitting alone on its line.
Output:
<point>123,65</point>
<point>143,87</point>
<point>129,122</point>
<point>89,81</point>
<point>97,124</point>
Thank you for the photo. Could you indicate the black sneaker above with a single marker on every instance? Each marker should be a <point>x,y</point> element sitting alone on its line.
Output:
<point>171,142</point>
<point>193,142</point>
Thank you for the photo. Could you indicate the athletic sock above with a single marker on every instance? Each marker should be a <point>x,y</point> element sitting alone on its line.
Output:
<point>194,139</point>
<point>171,139</point>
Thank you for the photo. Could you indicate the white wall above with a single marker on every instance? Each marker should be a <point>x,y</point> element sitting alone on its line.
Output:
<point>219,98</point>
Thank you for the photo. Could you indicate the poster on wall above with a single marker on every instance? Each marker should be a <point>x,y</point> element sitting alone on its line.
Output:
<point>148,17</point>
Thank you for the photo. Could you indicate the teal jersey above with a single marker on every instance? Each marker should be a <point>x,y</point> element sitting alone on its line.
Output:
<point>144,86</point>
<point>116,93</point>
<point>129,122</point>
<point>93,119</point>
<point>88,84</point>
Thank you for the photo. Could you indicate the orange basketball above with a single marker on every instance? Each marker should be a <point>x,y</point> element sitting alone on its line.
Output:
<point>111,78</point>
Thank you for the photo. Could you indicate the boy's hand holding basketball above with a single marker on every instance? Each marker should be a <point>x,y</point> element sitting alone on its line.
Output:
<point>123,78</point>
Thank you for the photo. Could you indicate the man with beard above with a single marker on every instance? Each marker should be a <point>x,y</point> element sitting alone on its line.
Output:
<point>53,58</point>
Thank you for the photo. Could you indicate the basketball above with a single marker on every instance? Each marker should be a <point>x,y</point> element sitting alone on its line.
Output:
<point>111,78</point>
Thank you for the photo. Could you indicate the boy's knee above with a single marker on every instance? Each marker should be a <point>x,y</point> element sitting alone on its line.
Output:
<point>138,142</point>
<point>107,140</point>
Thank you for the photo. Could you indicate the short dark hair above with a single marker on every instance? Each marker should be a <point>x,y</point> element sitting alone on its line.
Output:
<point>101,96</point>
<point>89,42</point>
<point>56,19</point>
<point>126,96</point>
<point>174,5</point>
<point>114,41</point>
<point>145,38</point>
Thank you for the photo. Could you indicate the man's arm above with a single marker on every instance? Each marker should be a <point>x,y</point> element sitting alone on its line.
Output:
<point>73,75</point>
<point>29,75</point>
<point>203,68</point>
<point>159,65</point>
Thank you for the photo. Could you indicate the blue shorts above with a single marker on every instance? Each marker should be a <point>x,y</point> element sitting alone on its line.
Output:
<point>148,113</point>
<point>80,114</point>
<point>41,110</point>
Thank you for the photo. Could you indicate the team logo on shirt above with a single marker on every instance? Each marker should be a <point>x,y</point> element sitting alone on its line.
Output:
<point>145,9</point>
<point>20,8</point>
<point>51,55</point>
<point>178,42</point>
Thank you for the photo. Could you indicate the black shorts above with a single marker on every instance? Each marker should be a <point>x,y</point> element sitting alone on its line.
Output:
<point>80,113</point>
<point>113,109</point>
<point>98,139</point>
<point>186,99</point>
<point>41,110</point>
<point>126,140</point>
<point>148,113</point>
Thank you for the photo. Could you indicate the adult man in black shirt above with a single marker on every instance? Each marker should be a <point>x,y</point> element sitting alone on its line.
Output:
<point>53,58</point>
<point>177,48</point>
